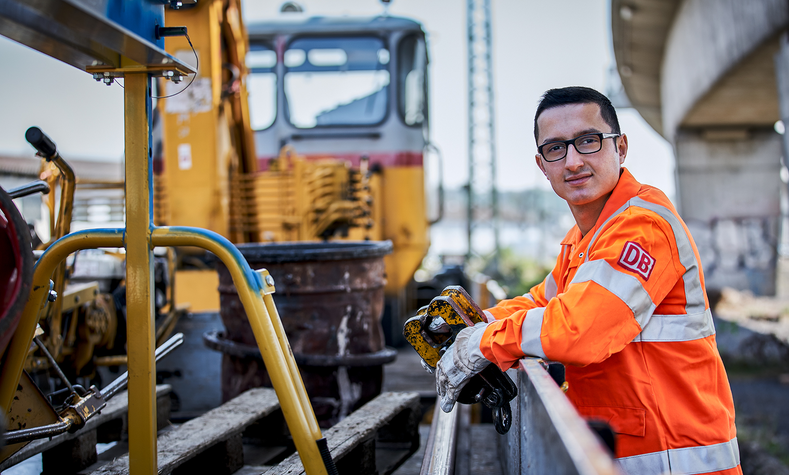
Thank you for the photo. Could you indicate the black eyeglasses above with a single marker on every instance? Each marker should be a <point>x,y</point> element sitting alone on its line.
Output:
<point>587,143</point>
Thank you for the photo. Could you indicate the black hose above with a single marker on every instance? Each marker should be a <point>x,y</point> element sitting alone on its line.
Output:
<point>323,447</point>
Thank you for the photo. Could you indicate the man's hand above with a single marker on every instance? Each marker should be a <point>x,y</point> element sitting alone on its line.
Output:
<point>460,362</point>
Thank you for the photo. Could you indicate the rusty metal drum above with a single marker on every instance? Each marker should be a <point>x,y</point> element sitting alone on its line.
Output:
<point>330,297</point>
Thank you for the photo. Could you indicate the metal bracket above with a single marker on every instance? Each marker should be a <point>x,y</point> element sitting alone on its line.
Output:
<point>268,281</point>
<point>168,70</point>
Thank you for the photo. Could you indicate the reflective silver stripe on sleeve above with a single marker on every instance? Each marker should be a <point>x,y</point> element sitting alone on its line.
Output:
<point>693,293</point>
<point>530,332</point>
<point>678,327</point>
<point>688,460</point>
<point>624,286</point>
<point>550,287</point>
<point>528,296</point>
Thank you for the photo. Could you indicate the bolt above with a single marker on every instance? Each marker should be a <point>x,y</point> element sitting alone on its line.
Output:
<point>97,76</point>
<point>481,395</point>
<point>52,296</point>
<point>108,80</point>
<point>176,78</point>
<point>270,280</point>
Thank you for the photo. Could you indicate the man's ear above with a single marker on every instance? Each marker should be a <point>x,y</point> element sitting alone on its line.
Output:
<point>538,159</point>
<point>622,148</point>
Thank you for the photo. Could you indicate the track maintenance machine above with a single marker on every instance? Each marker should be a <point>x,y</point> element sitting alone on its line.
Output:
<point>299,130</point>
<point>302,129</point>
<point>123,41</point>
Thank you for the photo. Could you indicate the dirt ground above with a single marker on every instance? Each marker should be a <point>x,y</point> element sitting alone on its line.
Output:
<point>753,339</point>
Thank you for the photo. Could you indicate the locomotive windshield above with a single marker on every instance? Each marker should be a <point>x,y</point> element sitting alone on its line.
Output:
<point>336,81</point>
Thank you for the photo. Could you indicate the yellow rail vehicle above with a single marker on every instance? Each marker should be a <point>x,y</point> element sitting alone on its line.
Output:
<point>316,128</point>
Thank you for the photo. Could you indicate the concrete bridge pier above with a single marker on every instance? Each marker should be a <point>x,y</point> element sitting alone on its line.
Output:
<point>782,82</point>
<point>728,189</point>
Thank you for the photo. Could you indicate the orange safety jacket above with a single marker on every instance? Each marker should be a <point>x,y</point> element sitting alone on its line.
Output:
<point>625,310</point>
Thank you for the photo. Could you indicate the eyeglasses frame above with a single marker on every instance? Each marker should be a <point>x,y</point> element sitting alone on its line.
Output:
<point>567,144</point>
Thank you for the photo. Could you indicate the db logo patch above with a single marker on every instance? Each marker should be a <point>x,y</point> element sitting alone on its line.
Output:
<point>636,259</point>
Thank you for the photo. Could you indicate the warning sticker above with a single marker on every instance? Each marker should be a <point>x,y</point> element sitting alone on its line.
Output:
<point>186,99</point>
<point>184,156</point>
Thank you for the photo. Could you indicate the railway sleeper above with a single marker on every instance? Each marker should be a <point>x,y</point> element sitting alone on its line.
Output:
<point>245,435</point>
<point>375,439</point>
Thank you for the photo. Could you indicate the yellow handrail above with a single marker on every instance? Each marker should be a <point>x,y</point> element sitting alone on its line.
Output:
<point>52,257</point>
<point>269,334</point>
<point>253,287</point>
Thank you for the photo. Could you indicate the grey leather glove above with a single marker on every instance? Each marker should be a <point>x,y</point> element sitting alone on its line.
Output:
<point>460,362</point>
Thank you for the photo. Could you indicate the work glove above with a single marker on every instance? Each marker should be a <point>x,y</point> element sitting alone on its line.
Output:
<point>460,362</point>
<point>488,317</point>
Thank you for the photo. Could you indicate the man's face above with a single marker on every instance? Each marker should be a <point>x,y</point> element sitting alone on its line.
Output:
<point>584,181</point>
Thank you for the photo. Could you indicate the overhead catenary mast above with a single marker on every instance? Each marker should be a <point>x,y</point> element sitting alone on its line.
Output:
<point>482,211</point>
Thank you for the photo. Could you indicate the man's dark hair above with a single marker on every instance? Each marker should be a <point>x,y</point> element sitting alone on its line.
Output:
<point>576,95</point>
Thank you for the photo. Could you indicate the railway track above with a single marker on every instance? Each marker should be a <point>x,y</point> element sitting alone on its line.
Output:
<point>547,435</point>
<point>248,435</point>
<point>243,436</point>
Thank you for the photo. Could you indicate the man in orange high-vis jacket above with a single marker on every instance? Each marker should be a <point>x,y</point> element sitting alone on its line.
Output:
<point>624,308</point>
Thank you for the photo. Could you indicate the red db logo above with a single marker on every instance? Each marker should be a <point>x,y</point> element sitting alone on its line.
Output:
<point>636,259</point>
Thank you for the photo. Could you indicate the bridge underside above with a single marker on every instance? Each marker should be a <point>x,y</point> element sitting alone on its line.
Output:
<point>705,75</point>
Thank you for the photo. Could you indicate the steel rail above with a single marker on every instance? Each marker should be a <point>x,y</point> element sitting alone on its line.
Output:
<point>441,444</point>
<point>551,436</point>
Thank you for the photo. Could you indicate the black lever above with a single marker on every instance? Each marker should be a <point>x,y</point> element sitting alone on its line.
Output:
<point>37,186</point>
<point>38,139</point>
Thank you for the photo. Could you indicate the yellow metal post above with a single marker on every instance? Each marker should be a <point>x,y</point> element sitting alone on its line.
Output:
<point>272,343</point>
<point>276,322</point>
<point>139,285</point>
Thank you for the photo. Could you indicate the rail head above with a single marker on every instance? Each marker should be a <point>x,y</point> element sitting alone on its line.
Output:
<point>555,430</point>
<point>439,458</point>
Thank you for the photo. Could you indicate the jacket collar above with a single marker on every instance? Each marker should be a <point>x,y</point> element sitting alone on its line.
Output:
<point>626,188</point>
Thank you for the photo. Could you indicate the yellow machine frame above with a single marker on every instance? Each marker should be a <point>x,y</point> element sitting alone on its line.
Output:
<point>210,176</point>
<point>139,238</point>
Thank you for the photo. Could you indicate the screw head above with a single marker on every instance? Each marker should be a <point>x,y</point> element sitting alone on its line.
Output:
<point>97,76</point>
<point>108,80</point>
<point>270,280</point>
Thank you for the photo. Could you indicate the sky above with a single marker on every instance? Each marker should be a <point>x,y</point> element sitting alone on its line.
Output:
<point>531,38</point>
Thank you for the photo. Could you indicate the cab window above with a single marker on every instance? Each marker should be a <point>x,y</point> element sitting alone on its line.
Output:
<point>333,81</point>
<point>411,85</point>
<point>262,85</point>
